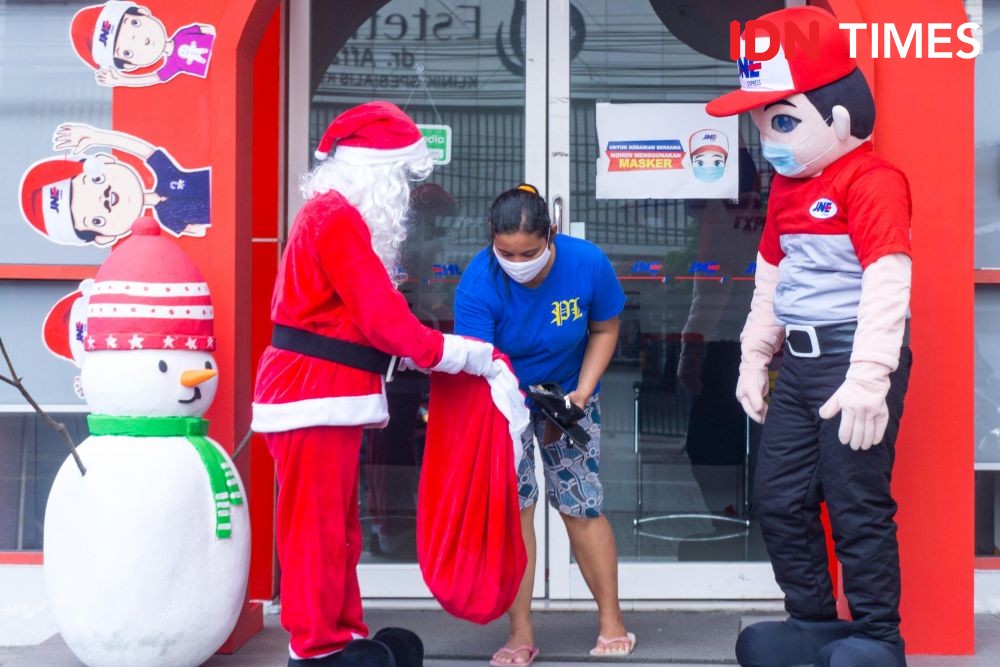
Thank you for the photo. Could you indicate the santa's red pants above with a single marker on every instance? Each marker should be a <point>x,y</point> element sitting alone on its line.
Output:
<point>318,537</point>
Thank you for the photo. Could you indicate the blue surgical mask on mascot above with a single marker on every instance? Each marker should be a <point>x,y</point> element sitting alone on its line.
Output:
<point>782,157</point>
<point>707,173</point>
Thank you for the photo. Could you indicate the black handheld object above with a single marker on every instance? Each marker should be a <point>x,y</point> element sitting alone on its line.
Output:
<point>557,408</point>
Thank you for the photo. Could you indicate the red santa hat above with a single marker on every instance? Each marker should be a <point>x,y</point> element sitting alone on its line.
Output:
<point>708,140</point>
<point>149,295</point>
<point>373,133</point>
<point>65,327</point>
<point>94,30</point>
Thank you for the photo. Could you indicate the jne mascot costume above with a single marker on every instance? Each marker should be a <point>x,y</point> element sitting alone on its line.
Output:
<point>832,287</point>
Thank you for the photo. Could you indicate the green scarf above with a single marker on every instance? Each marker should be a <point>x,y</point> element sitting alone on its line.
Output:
<point>225,487</point>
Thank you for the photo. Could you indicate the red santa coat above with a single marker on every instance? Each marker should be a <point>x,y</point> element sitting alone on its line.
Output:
<point>332,283</point>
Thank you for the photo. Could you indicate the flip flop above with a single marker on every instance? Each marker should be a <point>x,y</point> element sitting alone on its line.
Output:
<point>601,650</point>
<point>512,652</point>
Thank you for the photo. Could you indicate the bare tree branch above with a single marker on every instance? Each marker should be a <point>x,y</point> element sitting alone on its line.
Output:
<point>243,443</point>
<point>15,382</point>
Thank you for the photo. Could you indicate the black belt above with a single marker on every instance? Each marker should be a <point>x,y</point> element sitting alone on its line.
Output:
<point>332,349</point>
<point>803,340</point>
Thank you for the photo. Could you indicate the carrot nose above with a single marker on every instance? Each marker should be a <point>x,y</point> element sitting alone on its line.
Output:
<point>195,378</point>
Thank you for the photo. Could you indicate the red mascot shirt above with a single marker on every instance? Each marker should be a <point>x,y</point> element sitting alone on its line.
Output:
<point>823,232</point>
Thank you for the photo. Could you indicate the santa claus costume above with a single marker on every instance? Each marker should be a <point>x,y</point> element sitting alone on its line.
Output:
<point>339,326</point>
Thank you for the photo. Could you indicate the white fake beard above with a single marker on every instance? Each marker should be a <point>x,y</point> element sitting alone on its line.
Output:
<point>380,193</point>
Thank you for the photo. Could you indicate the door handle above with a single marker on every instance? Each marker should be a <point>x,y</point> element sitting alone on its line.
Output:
<point>557,213</point>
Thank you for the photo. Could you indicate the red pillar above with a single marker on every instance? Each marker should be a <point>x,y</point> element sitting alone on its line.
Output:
<point>925,126</point>
<point>209,122</point>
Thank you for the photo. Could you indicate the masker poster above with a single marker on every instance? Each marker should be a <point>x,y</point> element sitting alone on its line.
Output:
<point>665,151</point>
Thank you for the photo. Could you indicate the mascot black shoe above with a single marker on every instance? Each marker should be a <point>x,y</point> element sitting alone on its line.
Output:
<point>358,653</point>
<point>405,645</point>
<point>787,643</point>
<point>863,652</point>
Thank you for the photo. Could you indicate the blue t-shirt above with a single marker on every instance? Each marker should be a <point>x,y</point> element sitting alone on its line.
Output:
<point>542,329</point>
<point>187,193</point>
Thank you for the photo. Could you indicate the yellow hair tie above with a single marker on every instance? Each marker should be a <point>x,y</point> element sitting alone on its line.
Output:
<point>528,188</point>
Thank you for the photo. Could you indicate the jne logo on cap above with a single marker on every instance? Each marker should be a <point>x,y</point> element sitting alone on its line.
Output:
<point>55,197</point>
<point>105,31</point>
<point>764,75</point>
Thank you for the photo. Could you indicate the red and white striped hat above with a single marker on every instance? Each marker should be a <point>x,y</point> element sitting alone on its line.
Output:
<point>149,295</point>
<point>372,133</point>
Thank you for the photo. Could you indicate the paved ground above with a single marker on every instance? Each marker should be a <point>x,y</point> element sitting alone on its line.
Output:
<point>678,638</point>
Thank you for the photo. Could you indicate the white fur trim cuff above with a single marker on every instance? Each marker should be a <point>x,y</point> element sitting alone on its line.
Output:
<point>454,356</point>
<point>509,400</point>
<point>362,156</point>
<point>370,409</point>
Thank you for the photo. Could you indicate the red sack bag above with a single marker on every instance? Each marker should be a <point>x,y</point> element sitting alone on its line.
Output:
<point>469,543</point>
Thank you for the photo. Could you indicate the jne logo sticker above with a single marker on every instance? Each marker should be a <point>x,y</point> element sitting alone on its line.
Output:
<point>822,209</point>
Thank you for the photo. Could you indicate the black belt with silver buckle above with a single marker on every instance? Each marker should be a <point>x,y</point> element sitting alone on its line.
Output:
<point>803,340</point>
<point>332,349</point>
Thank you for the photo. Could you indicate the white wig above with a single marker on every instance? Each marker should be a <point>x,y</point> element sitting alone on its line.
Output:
<point>381,193</point>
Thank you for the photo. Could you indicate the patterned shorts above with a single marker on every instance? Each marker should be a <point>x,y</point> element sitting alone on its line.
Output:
<point>571,482</point>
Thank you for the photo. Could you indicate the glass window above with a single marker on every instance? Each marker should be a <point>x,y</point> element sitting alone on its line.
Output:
<point>30,450</point>
<point>23,307</point>
<point>675,442</point>
<point>42,84</point>
<point>988,139</point>
<point>987,226</point>
<point>31,453</point>
<point>987,424</point>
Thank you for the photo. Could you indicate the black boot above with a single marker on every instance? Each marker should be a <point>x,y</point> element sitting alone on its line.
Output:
<point>787,643</point>
<point>358,653</point>
<point>405,645</point>
<point>863,652</point>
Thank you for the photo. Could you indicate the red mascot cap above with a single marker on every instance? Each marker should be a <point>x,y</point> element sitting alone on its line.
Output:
<point>798,69</point>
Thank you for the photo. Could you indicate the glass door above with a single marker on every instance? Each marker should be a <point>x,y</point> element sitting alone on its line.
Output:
<point>676,447</point>
<point>472,74</point>
<point>508,91</point>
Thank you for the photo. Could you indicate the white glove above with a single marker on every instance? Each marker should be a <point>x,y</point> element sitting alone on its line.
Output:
<point>751,389</point>
<point>465,355</point>
<point>761,337</point>
<point>861,399</point>
<point>480,358</point>
<point>408,364</point>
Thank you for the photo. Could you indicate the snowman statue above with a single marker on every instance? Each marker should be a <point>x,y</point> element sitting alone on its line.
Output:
<point>147,554</point>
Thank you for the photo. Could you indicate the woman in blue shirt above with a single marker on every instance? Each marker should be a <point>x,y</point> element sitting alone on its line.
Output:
<point>551,303</point>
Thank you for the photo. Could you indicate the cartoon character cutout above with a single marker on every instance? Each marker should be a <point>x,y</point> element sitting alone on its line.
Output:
<point>64,330</point>
<point>76,201</point>
<point>709,150</point>
<point>128,46</point>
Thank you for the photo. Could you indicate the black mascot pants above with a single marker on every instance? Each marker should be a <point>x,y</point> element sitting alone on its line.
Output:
<point>801,462</point>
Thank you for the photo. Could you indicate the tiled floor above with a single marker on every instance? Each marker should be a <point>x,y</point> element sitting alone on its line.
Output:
<point>676,637</point>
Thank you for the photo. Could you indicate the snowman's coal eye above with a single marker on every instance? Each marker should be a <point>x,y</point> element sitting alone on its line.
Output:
<point>208,365</point>
<point>163,366</point>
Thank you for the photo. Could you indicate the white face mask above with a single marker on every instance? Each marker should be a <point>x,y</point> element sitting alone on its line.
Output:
<point>524,272</point>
